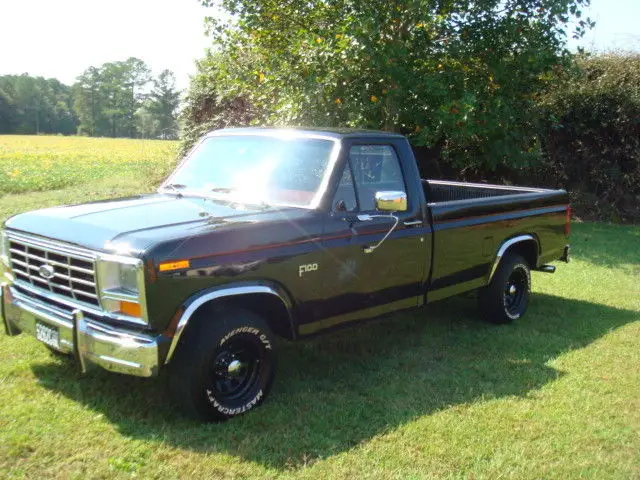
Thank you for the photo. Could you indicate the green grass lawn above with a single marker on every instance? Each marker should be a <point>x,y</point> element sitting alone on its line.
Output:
<point>430,394</point>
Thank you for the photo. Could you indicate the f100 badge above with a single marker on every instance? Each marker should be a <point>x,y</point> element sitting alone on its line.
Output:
<point>309,267</point>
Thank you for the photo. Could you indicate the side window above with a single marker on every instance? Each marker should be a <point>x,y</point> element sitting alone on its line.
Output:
<point>376,168</point>
<point>345,198</point>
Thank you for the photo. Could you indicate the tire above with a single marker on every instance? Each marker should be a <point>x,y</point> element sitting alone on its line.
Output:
<point>506,298</point>
<point>224,365</point>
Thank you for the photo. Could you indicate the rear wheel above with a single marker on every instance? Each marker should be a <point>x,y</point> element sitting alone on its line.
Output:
<point>224,366</point>
<point>506,298</point>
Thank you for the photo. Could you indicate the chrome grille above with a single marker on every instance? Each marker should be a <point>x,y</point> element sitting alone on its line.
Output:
<point>73,272</point>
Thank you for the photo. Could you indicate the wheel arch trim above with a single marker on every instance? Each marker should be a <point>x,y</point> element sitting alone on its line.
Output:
<point>506,245</point>
<point>192,305</point>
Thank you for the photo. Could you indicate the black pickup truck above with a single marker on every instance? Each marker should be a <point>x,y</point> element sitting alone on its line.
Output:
<point>264,233</point>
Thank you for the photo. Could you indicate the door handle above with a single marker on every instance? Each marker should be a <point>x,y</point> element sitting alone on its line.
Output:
<point>412,223</point>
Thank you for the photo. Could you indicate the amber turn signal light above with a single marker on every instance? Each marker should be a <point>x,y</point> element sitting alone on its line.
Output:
<point>131,309</point>
<point>168,266</point>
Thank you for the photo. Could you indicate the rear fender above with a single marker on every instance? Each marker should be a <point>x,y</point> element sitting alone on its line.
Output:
<point>527,242</point>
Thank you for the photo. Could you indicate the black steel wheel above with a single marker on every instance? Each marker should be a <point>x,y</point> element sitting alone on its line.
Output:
<point>515,292</point>
<point>506,298</point>
<point>224,365</point>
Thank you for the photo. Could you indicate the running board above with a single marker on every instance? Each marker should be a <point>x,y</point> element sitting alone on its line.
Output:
<point>546,269</point>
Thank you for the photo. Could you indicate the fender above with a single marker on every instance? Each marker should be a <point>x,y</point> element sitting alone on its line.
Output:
<point>208,295</point>
<point>508,244</point>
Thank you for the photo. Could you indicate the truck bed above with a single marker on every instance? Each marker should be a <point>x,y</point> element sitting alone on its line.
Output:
<point>470,221</point>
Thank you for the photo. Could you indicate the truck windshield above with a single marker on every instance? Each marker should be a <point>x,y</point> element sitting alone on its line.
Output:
<point>259,169</point>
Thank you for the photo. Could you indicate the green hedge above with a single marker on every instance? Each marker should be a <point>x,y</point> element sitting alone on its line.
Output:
<point>591,137</point>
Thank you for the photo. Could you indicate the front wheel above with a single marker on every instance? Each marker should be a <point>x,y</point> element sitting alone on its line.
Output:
<point>224,365</point>
<point>506,298</point>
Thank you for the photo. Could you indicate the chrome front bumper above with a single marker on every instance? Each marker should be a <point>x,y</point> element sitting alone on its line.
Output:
<point>91,342</point>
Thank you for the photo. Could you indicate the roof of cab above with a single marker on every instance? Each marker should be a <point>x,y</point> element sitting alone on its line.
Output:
<point>328,132</point>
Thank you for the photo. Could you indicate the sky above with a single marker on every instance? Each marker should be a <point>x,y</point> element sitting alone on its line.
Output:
<point>617,26</point>
<point>61,38</point>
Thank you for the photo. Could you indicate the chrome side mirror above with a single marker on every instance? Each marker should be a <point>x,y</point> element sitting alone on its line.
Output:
<point>391,201</point>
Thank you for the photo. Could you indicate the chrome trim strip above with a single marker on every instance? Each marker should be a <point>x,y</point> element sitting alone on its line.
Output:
<point>505,246</point>
<point>370,312</point>
<point>50,244</point>
<point>4,248</point>
<point>411,223</point>
<point>8,328</point>
<point>80,348</point>
<point>487,185</point>
<point>115,295</point>
<point>207,297</point>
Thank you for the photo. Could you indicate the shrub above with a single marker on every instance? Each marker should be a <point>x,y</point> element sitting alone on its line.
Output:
<point>591,139</point>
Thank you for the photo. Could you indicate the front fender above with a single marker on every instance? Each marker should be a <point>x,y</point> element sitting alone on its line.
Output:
<point>193,303</point>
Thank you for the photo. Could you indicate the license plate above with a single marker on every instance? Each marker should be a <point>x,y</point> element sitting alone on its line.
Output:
<point>48,334</point>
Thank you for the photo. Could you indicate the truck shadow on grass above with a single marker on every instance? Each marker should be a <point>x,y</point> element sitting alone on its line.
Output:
<point>336,391</point>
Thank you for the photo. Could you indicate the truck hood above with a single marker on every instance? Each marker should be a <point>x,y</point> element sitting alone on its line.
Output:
<point>135,224</point>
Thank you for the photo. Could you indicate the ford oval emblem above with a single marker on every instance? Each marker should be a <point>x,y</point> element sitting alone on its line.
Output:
<point>46,271</point>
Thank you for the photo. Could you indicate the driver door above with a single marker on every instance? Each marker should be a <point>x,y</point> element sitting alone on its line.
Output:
<point>357,284</point>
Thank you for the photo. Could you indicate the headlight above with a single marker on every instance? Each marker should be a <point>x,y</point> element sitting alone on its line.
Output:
<point>118,278</point>
<point>121,286</point>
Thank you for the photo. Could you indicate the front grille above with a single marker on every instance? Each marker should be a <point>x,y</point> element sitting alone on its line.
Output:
<point>73,272</point>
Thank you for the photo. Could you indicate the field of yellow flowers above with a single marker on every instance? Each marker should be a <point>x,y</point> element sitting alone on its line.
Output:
<point>39,163</point>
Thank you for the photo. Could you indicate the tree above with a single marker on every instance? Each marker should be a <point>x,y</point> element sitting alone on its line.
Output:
<point>206,108</point>
<point>162,105</point>
<point>8,114</point>
<point>459,76</point>
<point>107,98</point>
<point>88,103</point>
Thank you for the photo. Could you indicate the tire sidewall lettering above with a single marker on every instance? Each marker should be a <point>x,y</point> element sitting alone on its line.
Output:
<point>264,339</point>
<point>230,412</point>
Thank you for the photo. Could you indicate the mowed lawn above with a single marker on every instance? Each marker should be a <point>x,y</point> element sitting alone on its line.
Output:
<point>432,394</point>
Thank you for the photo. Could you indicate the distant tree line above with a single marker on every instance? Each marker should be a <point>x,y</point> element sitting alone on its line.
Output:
<point>35,105</point>
<point>116,99</point>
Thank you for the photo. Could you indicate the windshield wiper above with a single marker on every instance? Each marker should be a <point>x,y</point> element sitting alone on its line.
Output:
<point>262,204</point>
<point>175,187</point>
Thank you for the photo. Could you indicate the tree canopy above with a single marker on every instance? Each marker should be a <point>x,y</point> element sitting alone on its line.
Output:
<point>459,76</point>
